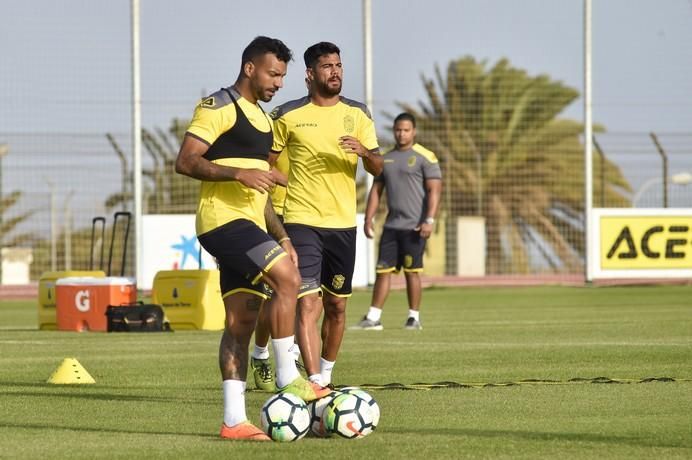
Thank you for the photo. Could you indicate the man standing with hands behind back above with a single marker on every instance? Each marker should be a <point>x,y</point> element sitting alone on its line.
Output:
<point>413,181</point>
<point>324,135</point>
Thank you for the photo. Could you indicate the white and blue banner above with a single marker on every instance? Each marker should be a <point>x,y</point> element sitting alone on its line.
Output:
<point>170,243</point>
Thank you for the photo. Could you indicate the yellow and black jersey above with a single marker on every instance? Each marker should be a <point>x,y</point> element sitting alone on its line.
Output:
<point>278,194</point>
<point>321,188</point>
<point>239,134</point>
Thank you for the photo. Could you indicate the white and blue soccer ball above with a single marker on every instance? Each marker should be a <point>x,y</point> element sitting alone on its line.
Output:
<point>349,416</point>
<point>285,417</point>
<point>316,409</point>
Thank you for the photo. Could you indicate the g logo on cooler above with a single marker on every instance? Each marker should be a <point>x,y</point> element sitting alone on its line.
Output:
<point>81,301</point>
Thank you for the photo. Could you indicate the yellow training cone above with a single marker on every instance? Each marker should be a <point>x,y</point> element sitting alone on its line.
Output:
<point>70,372</point>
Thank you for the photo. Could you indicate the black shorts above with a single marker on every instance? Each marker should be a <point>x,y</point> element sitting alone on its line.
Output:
<point>400,249</point>
<point>326,258</point>
<point>244,253</point>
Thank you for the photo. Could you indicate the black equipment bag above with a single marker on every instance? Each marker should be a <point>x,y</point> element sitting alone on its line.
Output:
<point>137,317</point>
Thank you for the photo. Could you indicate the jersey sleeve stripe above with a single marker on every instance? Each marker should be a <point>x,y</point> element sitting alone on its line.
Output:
<point>289,106</point>
<point>188,133</point>
<point>359,105</point>
<point>425,153</point>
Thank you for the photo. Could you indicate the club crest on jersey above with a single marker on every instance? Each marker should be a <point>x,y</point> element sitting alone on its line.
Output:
<point>411,161</point>
<point>349,123</point>
<point>338,281</point>
<point>207,102</point>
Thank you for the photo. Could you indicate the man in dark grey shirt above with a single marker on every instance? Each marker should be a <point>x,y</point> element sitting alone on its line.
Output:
<point>413,181</point>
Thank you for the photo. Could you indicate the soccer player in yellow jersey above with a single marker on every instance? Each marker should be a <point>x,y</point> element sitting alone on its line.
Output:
<point>226,147</point>
<point>259,359</point>
<point>323,134</point>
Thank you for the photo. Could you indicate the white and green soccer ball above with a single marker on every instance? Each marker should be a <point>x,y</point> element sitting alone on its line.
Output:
<point>349,416</point>
<point>285,417</point>
<point>367,397</point>
<point>316,409</point>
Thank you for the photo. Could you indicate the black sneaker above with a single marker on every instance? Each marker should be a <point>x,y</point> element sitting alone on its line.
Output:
<point>413,325</point>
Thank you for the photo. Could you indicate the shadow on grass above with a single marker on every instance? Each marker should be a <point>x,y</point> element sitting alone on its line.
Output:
<point>99,386</point>
<point>80,394</point>
<point>538,436</point>
<point>53,427</point>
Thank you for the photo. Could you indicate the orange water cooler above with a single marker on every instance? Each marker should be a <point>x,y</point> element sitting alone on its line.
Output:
<point>81,302</point>
<point>47,298</point>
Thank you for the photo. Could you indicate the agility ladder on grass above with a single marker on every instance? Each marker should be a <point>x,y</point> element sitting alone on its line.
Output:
<point>573,381</point>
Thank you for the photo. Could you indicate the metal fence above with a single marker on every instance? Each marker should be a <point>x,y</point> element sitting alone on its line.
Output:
<point>529,214</point>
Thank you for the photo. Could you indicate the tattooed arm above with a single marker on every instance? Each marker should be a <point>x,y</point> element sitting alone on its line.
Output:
<point>278,232</point>
<point>274,227</point>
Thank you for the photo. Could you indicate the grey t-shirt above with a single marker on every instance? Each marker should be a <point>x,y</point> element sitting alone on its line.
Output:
<point>404,178</point>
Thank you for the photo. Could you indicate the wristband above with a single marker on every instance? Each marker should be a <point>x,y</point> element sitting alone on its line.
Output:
<point>285,238</point>
<point>429,220</point>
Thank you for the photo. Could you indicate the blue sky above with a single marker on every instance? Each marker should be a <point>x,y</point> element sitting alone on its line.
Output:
<point>66,63</point>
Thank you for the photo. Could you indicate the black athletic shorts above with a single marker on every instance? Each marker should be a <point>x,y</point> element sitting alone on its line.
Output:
<point>326,258</point>
<point>244,252</point>
<point>400,249</point>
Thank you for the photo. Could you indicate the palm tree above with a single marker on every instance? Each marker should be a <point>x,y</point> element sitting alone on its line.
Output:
<point>507,156</point>
<point>164,191</point>
<point>9,237</point>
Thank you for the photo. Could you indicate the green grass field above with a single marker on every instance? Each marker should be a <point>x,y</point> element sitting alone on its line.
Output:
<point>159,396</point>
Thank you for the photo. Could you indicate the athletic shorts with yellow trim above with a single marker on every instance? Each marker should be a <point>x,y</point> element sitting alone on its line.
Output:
<point>326,258</point>
<point>244,252</point>
<point>400,249</point>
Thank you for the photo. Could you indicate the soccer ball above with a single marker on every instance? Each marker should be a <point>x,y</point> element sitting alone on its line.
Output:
<point>367,397</point>
<point>285,417</point>
<point>348,416</point>
<point>316,409</point>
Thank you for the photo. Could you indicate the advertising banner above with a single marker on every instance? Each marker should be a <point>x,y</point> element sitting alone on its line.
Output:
<point>642,243</point>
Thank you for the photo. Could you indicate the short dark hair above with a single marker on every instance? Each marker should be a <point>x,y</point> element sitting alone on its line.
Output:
<point>318,50</point>
<point>264,45</point>
<point>405,116</point>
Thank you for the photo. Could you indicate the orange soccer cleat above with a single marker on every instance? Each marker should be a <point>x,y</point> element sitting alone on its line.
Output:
<point>244,431</point>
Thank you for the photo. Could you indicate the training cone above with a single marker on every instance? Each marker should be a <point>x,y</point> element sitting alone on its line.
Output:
<point>70,372</point>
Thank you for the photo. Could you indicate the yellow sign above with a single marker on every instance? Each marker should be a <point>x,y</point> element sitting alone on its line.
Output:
<point>645,242</point>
